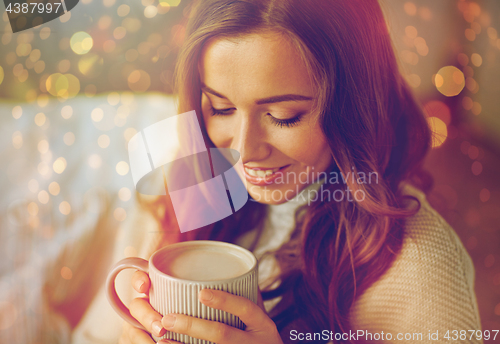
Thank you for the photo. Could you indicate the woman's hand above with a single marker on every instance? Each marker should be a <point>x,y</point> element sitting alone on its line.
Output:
<point>260,328</point>
<point>144,313</point>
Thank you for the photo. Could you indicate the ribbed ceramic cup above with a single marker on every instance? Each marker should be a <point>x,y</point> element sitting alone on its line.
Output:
<point>178,272</point>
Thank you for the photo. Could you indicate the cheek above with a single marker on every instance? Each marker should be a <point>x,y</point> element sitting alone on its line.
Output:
<point>306,146</point>
<point>218,132</point>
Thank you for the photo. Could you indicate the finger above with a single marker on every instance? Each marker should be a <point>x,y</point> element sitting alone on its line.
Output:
<point>202,329</point>
<point>140,281</point>
<point>251,314</point>
<point>132,335</point>
<point>147,316</point>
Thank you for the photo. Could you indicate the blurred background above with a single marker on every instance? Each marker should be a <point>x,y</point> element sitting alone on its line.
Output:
<point>73,91</point>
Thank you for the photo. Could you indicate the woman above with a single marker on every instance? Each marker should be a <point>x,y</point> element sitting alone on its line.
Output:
<point>313,88</point>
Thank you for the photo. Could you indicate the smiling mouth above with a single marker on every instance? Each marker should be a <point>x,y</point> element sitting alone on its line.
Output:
<point>259,175</point>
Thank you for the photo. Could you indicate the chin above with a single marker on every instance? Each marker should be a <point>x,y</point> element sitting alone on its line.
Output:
<point>270,197</point>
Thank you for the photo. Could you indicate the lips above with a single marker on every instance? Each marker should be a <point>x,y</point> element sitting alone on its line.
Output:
<point>262,176</point>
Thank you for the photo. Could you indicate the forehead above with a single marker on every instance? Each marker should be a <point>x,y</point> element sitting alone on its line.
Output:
<point>261,64</point>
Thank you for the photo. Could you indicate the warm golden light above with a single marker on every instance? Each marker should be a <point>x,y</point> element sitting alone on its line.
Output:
<point>17,112</point>
<point>122,168</point>
<point>439,131</point>
<point>59,165</point>
<point>450,81</point>
<point>54,188</point>
<point>63,85</point>
<point>66,272</point>
<point>171,3</point>
<point>139,81</point>
<point>124,194</point>
<point>476,60</point>
<point>43,146</point>
<point>97,114</point>
<point>43,197</point>
<point>81,42</point>
<point>40,119</point>
<point>67,112</point>
<point>65,208</point>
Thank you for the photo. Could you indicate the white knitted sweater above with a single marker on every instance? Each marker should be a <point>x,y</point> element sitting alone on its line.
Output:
<point>429,288</point>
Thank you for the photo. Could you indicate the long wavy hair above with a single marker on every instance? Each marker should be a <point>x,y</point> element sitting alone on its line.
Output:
<point>371,122</point>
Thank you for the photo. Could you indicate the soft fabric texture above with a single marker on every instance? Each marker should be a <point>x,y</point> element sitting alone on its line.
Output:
<point>430,286</point>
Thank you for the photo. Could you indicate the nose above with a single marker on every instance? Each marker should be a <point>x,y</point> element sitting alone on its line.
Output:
<point>249,138</point>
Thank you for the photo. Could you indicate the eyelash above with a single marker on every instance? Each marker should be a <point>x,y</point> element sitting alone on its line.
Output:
<point>277,122</point>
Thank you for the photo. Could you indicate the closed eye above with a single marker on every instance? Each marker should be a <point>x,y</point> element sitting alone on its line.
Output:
<point>291,122</point>
<point>221,112</point>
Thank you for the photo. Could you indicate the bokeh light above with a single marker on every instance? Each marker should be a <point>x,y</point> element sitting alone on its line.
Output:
<point>477,168</point>
<point>17,112</point>
<point>1,75</point>
<point>122,168</point>
<point>95,161</point>
<point>43,197</point>
<point>67,112</point>
<point>436,108</point>
<point>43,146</point>
<point>33,185</point>
<point>476,59</point>
<point>124,194</point>
<point>150,11</point>
<point>32,208</point>
<point>439,131</point>
<point>103,141</point>
<point>66,273</point>
<point>65,208</point>
<point>54,188</point>
<point>171,3</point>
<point>17,139</point>
<point>40,119</point>
<point>139,81</point>
<point>91,65</point>
<point>120,214</point>
<point>69,138</point>
<point>484,195</point>
<point>81,42</point>
<point>97,114</point>
<point>450,81</point>
<point>59,165</point>
<point>63,85</point>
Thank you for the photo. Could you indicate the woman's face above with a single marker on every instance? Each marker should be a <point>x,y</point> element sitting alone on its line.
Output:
<point>257,98</point>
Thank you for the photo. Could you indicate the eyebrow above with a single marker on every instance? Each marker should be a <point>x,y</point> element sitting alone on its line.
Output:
<point>270,100</point>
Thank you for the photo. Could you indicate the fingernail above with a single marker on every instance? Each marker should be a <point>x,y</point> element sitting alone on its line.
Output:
<point>168,320</point>
<point>138,285</point>
<point>158,328</point>
<point>206,295</point>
